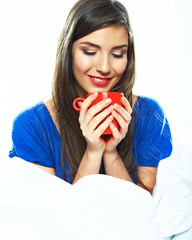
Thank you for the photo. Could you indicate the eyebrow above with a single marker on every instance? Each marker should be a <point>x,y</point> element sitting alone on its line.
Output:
<point>97,46</point>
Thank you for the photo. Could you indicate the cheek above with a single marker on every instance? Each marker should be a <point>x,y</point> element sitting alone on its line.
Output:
<point>120,67</point>
<point>81,64</point>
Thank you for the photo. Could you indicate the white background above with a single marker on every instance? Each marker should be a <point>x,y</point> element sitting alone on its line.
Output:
<point>29,31</point>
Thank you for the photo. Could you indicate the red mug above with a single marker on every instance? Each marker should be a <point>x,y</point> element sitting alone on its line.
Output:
<point>114,96</point>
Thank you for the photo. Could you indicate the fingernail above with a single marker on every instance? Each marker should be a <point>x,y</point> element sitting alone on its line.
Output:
<point>94,94</point>
<point>114,113</point>
<point>111,117</point>
<point>117,106</point>
<point>108,100</point>
<point>110,108</point>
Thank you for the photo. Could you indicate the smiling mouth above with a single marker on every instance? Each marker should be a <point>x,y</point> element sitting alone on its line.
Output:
<point>99,81</point>
<point>100,78</point>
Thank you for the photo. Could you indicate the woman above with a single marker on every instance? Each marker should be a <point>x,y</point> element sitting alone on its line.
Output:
<point>95,53</point>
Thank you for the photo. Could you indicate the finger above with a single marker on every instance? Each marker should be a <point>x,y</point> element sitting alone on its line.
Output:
<point>101,128</point>
<point>100,117</point>
<point>79,103</point>
<point>123,112</point>
<point>86,104</point>
<point>96,109</point>
<point>115,132</point>
<point>126,105</point>
<point>122,123</point>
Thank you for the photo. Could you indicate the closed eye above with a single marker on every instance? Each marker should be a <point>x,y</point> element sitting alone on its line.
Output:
<point>117,55</point>
<point>89,53</point>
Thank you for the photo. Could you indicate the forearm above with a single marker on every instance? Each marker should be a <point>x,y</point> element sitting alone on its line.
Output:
<point>115,167</point>
<point>90,164</point>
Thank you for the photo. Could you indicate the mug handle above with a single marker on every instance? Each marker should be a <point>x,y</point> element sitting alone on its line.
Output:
<point>79,99</point>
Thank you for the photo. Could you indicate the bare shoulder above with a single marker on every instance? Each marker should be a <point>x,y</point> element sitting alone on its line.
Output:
<point>51,108</point>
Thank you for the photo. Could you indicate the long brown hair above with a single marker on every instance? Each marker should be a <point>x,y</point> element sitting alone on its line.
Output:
<point>85,17</point>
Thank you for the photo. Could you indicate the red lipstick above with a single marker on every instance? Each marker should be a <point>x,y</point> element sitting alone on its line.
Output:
<point>99,81</point>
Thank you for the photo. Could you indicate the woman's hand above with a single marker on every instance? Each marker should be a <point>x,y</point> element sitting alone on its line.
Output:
<point>113,164</point>
<point>90,119</point>
<point>123,117</point>
<point>91,124</point>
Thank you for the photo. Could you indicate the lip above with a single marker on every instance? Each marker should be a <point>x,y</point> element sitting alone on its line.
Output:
<point>103,82</point>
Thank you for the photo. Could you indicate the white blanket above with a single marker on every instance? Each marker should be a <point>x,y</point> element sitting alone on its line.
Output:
<point>36,205</point>
<point>173,195</point>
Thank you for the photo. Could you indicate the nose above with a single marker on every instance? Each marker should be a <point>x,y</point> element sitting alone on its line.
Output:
<point>103,65</point>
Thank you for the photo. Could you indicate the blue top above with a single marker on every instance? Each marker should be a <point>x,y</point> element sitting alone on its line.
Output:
<point>36,138</point>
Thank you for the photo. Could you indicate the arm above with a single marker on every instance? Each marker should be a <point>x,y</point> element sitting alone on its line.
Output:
<point>155,143</point>
<point>90,164</point>
<point>47,169</point>
<point>148,177</point>
<point>114,166</point>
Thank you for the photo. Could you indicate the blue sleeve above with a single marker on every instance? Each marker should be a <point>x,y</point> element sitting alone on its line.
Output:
<point>153,141</point>
<point>29,140</point>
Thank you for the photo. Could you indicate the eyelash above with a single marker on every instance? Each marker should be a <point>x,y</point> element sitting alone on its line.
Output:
<point>117,55</point>
<point>89,53</point>
<point>93,53</point>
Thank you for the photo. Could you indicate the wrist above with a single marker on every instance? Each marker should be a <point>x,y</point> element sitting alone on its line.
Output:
<point>90,164</point>
<point>112,155</point>
<point>94,153</point>
<point>115,167</point>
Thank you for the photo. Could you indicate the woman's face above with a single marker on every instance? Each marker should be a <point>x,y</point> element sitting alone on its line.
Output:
<point>100,59</point>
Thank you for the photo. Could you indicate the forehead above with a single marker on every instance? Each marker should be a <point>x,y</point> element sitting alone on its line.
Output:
<point>111,36</point>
